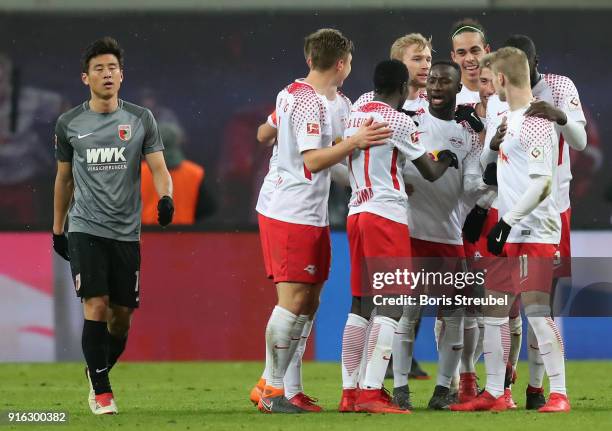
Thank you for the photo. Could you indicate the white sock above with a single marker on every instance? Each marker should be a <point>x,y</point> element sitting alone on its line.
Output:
<point>450,347</point>
<point>267,372</point>
<point>551,349</point>
<point>380,344</point>
<point>536,365</point>
<point>293,376</point>
<point>366,348</point>
<point>516,338</point>
<point>494,355</point>
<point>505,337</point>
<point>470,341</point>
<point>478,352</point>
<point>403,345</point>
<point>278,340</point>
<point>437,330</point>
<point>353,342</point>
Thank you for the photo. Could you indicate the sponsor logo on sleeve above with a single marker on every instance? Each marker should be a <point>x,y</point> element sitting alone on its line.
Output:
<point>125,132</point>
<point>313,129</point>
<point>414,136</point>
<point>573,104</point>
<point>536,154</point>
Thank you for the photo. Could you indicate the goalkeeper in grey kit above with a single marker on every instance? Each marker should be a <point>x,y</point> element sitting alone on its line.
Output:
<point>98,146</point>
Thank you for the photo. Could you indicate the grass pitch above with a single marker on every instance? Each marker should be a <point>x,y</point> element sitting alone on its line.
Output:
<point>214,396</point>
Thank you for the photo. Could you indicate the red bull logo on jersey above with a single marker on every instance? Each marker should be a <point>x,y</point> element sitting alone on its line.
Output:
<point>125,132</point>
<point>503,157</point>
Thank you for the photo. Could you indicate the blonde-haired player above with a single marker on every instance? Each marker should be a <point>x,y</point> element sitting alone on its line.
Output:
<point>526,235</point>
<point>414,50</point>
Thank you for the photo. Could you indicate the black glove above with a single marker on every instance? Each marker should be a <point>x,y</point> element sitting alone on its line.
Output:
<point>497,237</point>
<point>448,154</point>
<point>60,245</point>
<point>489,176</point>
<point>474,222</point>
<point>468,114</point>
<point>165,211</point>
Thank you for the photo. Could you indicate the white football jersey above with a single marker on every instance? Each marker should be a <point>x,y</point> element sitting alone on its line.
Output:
<point>269,182</point>
<point>529,148</point>
<point>496,112</point>
<point>467,96</point>
<point>376,173</point>
<point>561,92</point>
<point>304,123</point>
<point>340,109</point>
<point>417,105</point>
<point>435,208</point>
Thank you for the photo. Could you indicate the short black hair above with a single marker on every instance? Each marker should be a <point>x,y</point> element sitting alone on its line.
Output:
<point>105,45</point>
<point>450,64</point>
<point>524,43</point>
<point>389,76</point>
<point>468,25</point>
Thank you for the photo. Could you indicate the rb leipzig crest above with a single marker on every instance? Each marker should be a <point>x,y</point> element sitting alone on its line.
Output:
<point>125,132</point>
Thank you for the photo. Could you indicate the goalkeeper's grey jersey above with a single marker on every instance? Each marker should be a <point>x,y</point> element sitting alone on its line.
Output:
<point>105,151</point>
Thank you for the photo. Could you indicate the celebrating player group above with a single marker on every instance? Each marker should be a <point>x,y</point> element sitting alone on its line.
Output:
<point>465,159</point>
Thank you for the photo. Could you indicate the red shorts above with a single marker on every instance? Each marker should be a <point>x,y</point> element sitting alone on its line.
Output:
<point>296,253</point>
<point>449,258</point>
<point>422,248</point>
<point>479,248</point>
<point>522,267</point>
<point>370,235</point>
<point>563,264</point>
<point>265,243</point>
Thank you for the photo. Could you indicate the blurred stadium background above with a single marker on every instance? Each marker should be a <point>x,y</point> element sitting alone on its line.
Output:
<point>211,70</point>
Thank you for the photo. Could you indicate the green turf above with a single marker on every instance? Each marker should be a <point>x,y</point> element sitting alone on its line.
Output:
<point>204,395</point>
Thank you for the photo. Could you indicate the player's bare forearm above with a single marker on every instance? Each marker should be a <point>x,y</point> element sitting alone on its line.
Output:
<point>323,158</point>
<point>161,177</point>
<point>62,195</point>
<point>369,134</point>
<point>266,134</point>
<point>429,169</point>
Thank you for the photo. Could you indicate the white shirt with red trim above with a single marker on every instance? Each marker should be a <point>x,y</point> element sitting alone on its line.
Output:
<point>269,182</point>
<point>496,112</point>
<point>376,173</point>
<point>436,208</point>
<point>529,148</point>
<point>304,123</point>
<point>417,105</point>
<point>561,92</point>
<point>467,96</point>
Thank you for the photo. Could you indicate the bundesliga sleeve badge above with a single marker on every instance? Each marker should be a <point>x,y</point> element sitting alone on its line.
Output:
<point>313,129</point>
<point>125,132</point>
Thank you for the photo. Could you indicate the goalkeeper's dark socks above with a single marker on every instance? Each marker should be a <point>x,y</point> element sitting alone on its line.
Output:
<point>116,346</point>
<point>95,350</point>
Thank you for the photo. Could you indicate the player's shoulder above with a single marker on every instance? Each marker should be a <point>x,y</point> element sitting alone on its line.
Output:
<point>363,99</point>
<point>301,90</point>
<point>557,81</point>
<point>534,128</point>
<point>65,118</point>
<point>134,109</point>
<point>345,100</point>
